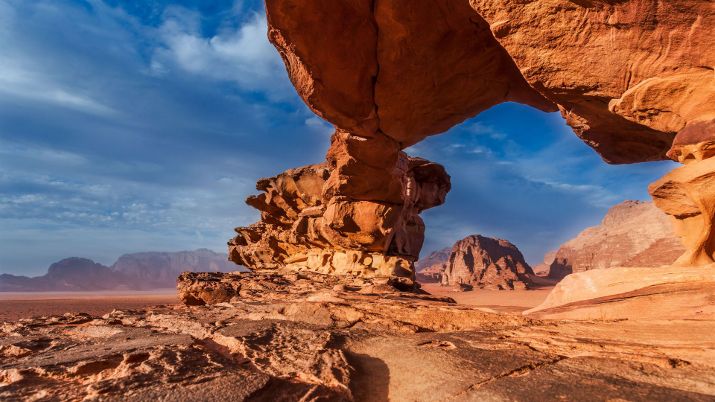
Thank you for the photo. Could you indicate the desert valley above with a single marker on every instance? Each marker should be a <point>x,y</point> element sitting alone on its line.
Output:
<point>331,295</point>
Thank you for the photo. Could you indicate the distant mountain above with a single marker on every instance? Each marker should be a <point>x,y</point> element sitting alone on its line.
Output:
<point>632,234</point>
<point>430,268</point>
<point>160,270</point>
<point>486,263</point>
<point>138,271</point>
<point>544,267</point>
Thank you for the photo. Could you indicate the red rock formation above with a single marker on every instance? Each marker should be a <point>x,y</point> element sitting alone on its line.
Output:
<point>307,221</point>
<point>372,67</point>
<point>486,263</point>
<point>632,234</point>
<point>687,194</point>
<point>626,76</point>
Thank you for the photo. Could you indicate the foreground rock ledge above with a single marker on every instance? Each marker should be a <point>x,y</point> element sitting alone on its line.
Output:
<point>317,341</point>
<point>663,293</point>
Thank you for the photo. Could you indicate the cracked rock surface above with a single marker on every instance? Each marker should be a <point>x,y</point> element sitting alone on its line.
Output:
<point>317,340</point>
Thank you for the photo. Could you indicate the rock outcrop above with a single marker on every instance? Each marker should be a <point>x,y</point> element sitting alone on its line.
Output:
<point>627,76</point>
<point>313,340</point>
<point>482,262</point>
<point>156,270</point>
<point>544,267</point>
<point>325,219</point>
<point>662,293</point>
<point>687,193</point>
<point>632,234</point>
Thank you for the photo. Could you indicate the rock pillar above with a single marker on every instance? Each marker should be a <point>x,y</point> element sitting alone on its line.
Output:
<point>687,193</point>
<point>357,214</point>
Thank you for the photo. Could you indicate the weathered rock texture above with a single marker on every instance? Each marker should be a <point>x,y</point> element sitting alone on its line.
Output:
<point>625,75</point>
<point>663,293</point>
<point>311,340</point>
<point>687,193</point>
<point>632,234</point>
<point>544,267</point>
<point>309,222</point>
<point>482,262</point>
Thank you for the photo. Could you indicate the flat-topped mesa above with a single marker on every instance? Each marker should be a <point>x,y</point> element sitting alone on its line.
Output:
<point>314,218</point>
<point>687,193</point>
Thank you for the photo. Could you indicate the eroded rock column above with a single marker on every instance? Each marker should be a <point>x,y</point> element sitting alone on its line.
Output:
<point>687,193</point>
<point>357,214</point>
<point>625,75</point>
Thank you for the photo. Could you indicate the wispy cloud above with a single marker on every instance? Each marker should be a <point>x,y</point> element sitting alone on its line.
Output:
<point>31,83</point>
<point>240,55</point>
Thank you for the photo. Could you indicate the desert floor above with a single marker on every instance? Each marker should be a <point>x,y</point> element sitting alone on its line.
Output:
<point>503,301</point>
<point>14,306</point>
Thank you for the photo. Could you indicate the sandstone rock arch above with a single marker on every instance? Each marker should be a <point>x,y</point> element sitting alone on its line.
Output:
<point>627,76</point>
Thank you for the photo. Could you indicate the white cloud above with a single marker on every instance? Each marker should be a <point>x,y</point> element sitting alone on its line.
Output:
<point>241,55</point>
<point>596,195</point>
<point>39,154</point>
<point>478,128</point>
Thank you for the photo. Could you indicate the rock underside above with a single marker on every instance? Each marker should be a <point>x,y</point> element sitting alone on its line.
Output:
<point>310,339</point>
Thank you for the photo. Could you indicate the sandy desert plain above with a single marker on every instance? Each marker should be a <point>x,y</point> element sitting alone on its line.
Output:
<point>17,305</point>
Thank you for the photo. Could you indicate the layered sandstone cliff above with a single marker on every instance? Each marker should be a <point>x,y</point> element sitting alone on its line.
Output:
<point>687,194</point>
<point>486,263</point>
<point>632,234</point>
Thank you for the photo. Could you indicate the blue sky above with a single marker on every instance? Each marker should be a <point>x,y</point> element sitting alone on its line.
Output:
<point>142,125</point>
